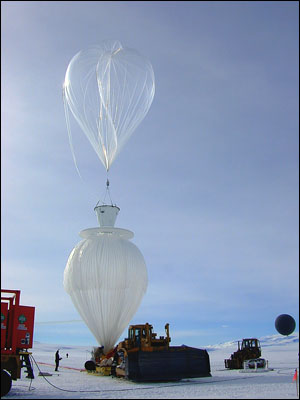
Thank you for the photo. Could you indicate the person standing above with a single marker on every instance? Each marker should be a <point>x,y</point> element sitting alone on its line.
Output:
<point>57,359</point>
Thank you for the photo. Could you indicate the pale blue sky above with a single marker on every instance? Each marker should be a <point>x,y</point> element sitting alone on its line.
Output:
<point>209,182</point>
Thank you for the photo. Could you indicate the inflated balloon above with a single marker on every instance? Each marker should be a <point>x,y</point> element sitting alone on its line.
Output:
<point>106,278</point>
<point>285,324</point>
<point>109,90</point>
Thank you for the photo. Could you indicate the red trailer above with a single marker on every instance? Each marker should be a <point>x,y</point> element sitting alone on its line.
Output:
<point>17,323</point>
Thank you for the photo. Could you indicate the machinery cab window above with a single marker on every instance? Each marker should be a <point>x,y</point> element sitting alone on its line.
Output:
<point>131,334</point>
<point>137,332</point>
<point>250,344</point>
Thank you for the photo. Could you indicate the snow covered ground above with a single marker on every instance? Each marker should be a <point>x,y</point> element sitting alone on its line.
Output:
<point>69,382</point>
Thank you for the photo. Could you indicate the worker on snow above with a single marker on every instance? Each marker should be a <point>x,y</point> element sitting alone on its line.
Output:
<point>57,359</point>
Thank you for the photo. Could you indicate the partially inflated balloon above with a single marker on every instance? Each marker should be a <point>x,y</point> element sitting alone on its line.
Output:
<point>109,90</point>
<point>106,278</point>
<point>285,324</point>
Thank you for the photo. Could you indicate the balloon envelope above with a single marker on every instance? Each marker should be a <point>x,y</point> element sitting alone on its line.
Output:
<point>106,278</point>
<point>109,90</point>
<point>285,324</point>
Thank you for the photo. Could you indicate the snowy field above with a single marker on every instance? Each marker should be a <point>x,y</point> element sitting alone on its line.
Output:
<point>70,382</point>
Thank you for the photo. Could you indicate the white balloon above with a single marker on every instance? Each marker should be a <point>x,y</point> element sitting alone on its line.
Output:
<point>109,90</point>
<point>106,277</point>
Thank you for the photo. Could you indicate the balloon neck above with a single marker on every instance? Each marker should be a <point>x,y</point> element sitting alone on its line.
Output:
<point>107,214</point>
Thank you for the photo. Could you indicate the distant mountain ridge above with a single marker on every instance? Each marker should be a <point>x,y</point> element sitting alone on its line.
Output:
<point>266,341</point>
<point>271,340</point>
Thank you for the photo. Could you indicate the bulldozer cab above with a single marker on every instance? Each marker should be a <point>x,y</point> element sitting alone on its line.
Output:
<point>139,333</point>
<point>250,344</point>
<point>142,336</point>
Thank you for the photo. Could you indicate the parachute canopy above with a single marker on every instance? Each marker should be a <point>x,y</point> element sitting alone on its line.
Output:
<point>109,90</point>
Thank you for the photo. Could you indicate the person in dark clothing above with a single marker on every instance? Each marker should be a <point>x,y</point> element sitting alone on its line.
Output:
<point>57,359</point>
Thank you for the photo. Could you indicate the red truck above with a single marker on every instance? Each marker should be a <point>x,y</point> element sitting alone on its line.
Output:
<point>17,323</point>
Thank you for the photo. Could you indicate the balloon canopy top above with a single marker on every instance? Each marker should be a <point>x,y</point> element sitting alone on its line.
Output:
<point>107,214</point>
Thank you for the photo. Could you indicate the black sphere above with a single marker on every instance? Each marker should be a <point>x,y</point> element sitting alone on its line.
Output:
<point>285,324</point>
<point>90,365</point>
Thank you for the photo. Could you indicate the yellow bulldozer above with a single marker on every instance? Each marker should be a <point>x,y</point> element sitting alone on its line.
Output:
<point>249,352</point>
<point>143,356</point>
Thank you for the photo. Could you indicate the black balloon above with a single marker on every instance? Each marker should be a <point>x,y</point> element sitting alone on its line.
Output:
<point>285,324</point>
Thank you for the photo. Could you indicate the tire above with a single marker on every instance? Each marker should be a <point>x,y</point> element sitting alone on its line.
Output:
<point>5,382</point>
<point>90,365</point>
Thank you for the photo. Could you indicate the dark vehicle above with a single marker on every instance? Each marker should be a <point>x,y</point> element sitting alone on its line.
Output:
<point>249,350</point>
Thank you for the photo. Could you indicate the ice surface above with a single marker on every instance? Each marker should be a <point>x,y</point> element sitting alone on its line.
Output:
<point>281,352</point>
